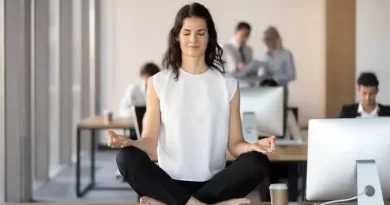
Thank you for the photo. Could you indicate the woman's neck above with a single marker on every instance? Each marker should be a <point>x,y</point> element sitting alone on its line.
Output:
<point>194,65</point>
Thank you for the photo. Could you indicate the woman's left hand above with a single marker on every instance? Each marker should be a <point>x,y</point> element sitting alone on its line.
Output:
<point>265,145</point>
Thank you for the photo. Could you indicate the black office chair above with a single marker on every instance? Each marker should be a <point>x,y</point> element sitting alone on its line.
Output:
<point>269,82</point>
<point>138,122</point>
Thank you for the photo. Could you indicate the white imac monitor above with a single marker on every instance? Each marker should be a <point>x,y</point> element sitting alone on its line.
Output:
<point>348,158</point>
<point>263,108</point>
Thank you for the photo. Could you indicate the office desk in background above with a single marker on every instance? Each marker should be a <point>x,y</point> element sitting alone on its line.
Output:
<point>94,124</point>
<point>294,153</point>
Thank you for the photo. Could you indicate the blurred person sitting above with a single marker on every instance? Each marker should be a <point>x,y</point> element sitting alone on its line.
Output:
<point>135,93</point>
<point>368,87</point>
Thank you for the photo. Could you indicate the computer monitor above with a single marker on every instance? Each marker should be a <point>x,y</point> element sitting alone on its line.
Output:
<point>265,108</point>
<point>347,157</point>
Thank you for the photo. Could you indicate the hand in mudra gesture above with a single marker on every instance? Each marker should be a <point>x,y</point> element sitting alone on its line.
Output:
<point>117,141</point>
<point>265,145</point>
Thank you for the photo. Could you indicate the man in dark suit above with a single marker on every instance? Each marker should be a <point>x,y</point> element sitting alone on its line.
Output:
<point>368,106</point>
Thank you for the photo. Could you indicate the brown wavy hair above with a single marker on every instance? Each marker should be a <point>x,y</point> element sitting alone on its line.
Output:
<point>213,57</point>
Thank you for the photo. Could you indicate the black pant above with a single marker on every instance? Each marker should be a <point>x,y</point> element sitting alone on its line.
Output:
<point>148,179</point>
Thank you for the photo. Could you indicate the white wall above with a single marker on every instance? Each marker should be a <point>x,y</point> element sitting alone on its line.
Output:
<point>136,31</point>
<point>373,42</point>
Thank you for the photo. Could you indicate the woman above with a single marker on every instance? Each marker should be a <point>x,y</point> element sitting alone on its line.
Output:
<point>193,116</point>
<point>281,68</point>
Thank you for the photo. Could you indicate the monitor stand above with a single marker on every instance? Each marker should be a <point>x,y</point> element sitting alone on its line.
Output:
<point>249,127</point>
<point>368,181</point>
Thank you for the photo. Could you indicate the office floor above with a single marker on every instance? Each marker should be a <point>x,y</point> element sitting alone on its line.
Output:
<point>62,188</point>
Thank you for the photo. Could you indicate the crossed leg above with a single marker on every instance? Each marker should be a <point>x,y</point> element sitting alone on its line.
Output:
<point>226,188</point>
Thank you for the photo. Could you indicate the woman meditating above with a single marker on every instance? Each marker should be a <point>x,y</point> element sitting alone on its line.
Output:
<point>193,118</point>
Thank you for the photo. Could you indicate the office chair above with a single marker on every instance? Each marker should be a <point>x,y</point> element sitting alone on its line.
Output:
<point>269,82</point>
<point>138,121</point>
<point>139,112</point>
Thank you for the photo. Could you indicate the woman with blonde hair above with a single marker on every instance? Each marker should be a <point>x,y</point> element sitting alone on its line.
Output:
<point>281,68</point>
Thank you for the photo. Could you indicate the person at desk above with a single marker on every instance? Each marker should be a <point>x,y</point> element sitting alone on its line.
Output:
<point>368,87</point>
<point>192,117</point>
<point>238,55</point>
<point>279,62</point>
<point>135,93</point>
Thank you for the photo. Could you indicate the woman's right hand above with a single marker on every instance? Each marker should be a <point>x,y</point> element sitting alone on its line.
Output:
<point>118,141</point>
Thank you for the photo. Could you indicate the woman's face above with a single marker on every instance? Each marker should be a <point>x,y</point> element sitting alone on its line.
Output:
<point>193,37</point>
<point>270,41</point>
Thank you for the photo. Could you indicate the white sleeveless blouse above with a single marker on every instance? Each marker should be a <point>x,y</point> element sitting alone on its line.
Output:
<point>194,123</point>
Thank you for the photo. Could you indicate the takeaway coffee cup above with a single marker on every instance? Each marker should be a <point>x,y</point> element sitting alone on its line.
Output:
<point>107,116</point>
<point>279,194</point>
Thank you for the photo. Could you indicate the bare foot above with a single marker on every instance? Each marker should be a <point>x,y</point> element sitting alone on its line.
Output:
<point>149,201</point>
<point>241,201</point>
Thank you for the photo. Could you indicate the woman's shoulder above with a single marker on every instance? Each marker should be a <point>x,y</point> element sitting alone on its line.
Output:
<point>158,81</point>
<point>162,73</point>
<point>231,84</point>
<point>158,77</point>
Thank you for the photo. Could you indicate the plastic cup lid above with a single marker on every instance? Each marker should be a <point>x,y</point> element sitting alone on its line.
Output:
<point>278,186</point>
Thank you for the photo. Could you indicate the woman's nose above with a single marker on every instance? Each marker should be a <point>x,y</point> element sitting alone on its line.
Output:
<point>193,38</point>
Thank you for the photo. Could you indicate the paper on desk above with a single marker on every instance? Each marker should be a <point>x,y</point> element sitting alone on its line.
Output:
<point>286,142</point>
<point>250,69</point>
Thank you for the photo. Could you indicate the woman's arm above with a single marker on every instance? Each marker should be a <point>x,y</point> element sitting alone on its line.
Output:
<point>151,128</point>
<point>236,143</point>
